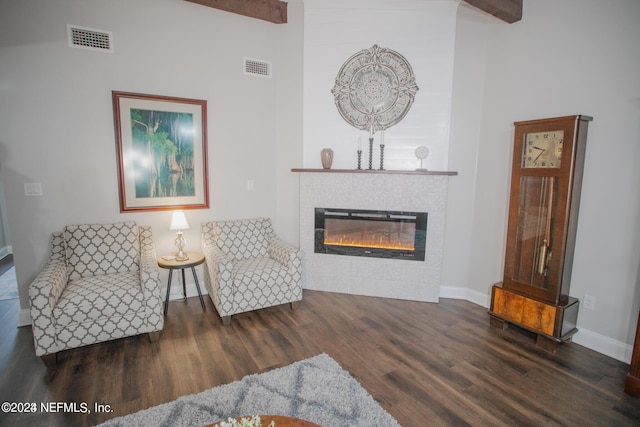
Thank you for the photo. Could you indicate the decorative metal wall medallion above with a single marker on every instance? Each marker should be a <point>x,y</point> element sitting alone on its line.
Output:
<point>374,89</point>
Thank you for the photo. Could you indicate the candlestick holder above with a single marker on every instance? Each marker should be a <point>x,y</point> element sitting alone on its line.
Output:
<point>381,157</point>
<point>359,159</point>
<point>371,153</point>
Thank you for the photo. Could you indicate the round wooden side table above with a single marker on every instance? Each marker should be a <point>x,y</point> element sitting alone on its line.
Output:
<point>170,262</point>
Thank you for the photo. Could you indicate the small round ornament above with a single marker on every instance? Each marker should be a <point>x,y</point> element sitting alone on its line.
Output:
<point>421,153</point>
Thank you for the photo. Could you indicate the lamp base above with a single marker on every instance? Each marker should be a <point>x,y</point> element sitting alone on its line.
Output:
<point>181,256</point>
<point>180,242</point>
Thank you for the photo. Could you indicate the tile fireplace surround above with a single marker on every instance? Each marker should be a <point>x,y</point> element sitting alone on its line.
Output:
<point>374,190</point>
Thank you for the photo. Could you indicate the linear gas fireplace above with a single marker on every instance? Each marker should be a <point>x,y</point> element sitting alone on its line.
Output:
<point>369,233</point>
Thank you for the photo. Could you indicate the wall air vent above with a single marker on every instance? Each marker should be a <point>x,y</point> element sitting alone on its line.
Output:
<point>257,67</point>
<point>90,38</point>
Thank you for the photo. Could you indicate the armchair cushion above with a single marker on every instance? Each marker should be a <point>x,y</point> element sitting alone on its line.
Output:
<point>96,297</point>
<point>241,240</point>
<point>99,249</point>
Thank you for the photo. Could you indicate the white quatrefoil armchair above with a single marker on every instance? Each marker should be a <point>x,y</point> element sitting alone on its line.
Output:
<point>101,283</point>
<point>248,268</point>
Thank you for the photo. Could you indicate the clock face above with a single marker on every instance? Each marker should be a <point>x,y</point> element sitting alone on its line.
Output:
<point>543,149</point>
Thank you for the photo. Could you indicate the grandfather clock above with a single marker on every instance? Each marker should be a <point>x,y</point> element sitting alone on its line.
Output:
<point>546,179</point>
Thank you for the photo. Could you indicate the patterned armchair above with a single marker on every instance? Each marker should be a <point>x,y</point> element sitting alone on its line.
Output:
<point>248,268</point>
<point>101,283</point>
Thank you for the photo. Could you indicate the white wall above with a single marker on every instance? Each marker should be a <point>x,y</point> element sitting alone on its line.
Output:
<point>5,239</point>
<point>565,57</point>
<point>56,125</point>
<point>421,31</point>
<point>289,98</point>
<point>466,116</point>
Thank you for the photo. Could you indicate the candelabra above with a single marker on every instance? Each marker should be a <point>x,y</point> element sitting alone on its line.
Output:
<point>371,153</point>
<point>359,159</point>
<point>381,157</point>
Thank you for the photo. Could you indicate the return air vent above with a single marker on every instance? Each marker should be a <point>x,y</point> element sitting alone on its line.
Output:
<point>90,38</point>
<point>257,67</point>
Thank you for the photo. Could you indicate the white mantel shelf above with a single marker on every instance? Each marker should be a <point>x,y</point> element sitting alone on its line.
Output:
<point>378,171</point>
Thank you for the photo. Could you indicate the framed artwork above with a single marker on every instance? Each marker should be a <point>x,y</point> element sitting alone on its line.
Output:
<point>161,145</point>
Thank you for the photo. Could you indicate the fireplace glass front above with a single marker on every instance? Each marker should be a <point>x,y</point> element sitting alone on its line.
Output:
<point>380,234</point>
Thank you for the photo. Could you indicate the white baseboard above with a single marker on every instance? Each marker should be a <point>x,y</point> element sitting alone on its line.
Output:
<point>24,317</point>
<point>609,347</point>
<point>6,250</point>
<point>470,295</point>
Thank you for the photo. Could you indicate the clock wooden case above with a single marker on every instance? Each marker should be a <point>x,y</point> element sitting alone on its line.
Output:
<point>546,179</point>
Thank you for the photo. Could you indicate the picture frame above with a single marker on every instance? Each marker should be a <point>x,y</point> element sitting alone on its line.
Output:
<point>161,147</point>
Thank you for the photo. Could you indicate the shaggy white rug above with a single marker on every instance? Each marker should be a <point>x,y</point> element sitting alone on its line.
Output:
<point>315,389</point>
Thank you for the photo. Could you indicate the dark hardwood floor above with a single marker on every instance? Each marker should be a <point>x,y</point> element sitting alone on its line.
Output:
<point>6,263</point>
<point>426,364</point>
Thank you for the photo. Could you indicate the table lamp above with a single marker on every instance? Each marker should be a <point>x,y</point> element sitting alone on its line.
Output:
<point>179,223</point>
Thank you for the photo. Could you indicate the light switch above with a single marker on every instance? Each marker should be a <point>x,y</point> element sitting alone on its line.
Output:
<point>32,189</point>
<point>250,185</point>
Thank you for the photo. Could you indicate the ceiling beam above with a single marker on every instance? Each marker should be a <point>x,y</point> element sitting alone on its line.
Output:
<point>268,10</point>
<point>507,10</point>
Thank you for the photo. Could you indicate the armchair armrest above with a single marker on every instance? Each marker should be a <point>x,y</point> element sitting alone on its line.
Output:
<point>219,274</point>
<point>150,278</point>
<point>291,258</point>
<point>149,275</point>
<point>285,254</point>
<point>219,264</point>
<point>44,293</point>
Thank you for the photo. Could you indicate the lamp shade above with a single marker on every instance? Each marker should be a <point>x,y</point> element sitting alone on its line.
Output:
<point>178,221</point>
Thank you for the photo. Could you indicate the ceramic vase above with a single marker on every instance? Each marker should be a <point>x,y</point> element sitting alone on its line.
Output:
<point>327,158</point>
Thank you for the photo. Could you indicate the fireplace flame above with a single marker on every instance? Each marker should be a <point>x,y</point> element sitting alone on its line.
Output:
<point>374,242</point>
